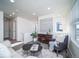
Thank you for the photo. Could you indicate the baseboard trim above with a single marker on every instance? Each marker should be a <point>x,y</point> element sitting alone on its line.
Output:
<point>71,55</point>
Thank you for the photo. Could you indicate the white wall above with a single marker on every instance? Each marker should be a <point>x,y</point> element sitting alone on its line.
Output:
<point>1,26</point>
<point>45,25</point>
<point>23,26</point>
<point>73,44</point>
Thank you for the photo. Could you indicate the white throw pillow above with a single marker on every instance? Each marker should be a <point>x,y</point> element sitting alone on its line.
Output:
<point>60,37</point>
<point>4,51</point>
<point>7,43</point>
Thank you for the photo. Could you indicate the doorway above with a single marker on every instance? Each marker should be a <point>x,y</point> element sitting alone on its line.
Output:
<point>10,29</point>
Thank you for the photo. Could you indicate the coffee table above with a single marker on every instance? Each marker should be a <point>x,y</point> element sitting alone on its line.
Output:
<point>34,50</point>
<point>29,48</point>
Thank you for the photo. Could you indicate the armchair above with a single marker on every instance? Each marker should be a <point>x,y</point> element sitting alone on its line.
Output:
<point>62,45</point>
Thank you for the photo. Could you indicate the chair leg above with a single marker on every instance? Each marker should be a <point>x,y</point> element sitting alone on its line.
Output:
<point>66,50</point>
<point>57,53</point>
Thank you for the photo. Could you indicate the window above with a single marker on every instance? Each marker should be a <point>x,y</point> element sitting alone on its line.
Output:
<point>46,25</point>
<point>77,31</point>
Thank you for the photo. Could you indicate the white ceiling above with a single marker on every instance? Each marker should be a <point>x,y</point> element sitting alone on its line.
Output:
<point>25,8</point>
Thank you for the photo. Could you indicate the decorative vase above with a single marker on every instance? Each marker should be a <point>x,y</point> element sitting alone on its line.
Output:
<point>35,39</point>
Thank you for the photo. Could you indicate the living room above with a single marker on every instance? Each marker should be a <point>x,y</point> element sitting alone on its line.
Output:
<point>39,25</point>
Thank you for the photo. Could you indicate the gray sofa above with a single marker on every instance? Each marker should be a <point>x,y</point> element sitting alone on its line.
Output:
<point>7,51</point>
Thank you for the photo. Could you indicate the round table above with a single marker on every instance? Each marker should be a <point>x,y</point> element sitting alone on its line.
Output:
<point>37,51</point>
<point>27,47</point>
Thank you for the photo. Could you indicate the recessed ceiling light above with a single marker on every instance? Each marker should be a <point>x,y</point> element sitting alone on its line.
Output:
<point>49,8</point>
<point>33,14</point>
<point>12,1</point>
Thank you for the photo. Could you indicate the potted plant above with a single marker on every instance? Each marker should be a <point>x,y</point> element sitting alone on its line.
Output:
<point>49,31</point>
<point>34,36</point>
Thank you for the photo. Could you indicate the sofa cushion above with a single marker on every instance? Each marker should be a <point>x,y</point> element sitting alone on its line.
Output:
<point>4,51</point>
<point>7,43</point>
<point>15,54</point>
<point>59,36</point>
